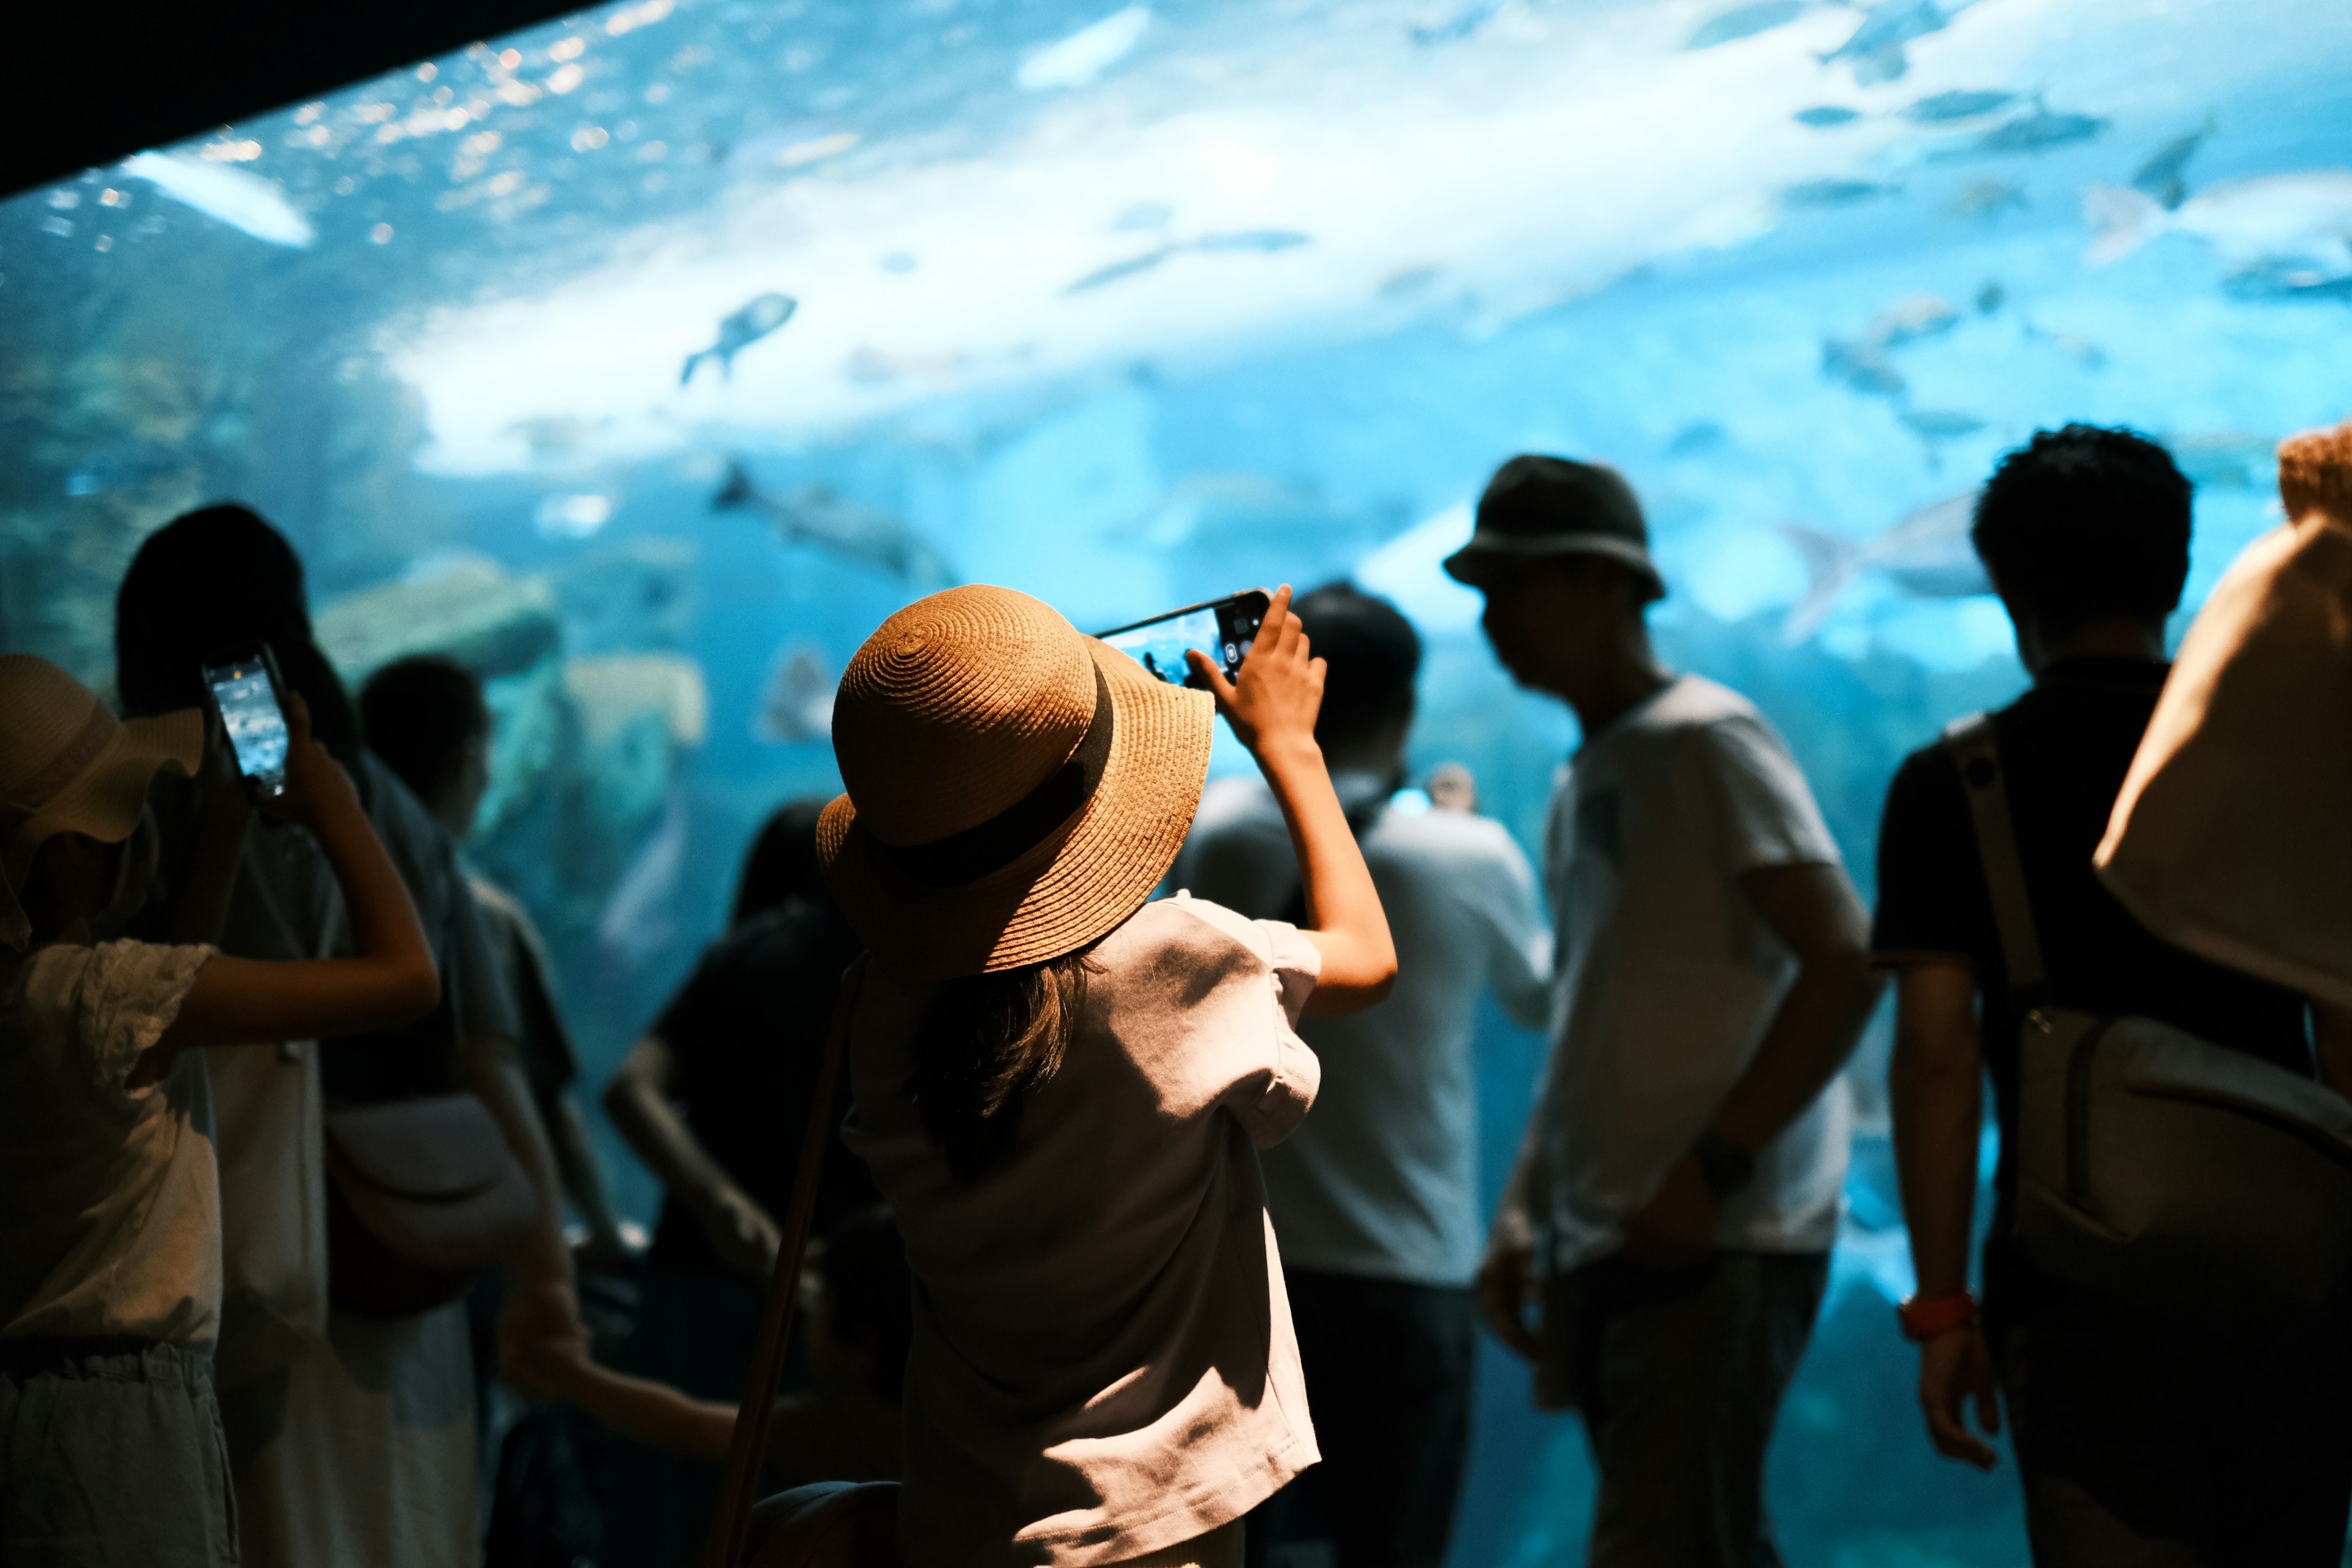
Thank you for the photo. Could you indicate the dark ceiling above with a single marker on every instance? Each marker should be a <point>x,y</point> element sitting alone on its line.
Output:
<point>95,80</point>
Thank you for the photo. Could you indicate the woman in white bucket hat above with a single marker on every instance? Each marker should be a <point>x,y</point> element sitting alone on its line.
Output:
<point>110,1444</point>
<point>1061,1088</point>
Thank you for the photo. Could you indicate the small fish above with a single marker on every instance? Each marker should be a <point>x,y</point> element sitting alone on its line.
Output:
<point>1947,106</point>
<point>2164,175</point>
<point>1265,241</point>
<point>1823,115</point>
<point>1409,281</point>
<point>555,437</point>
<point>238,197</point>
<point>2283,228</point>
<point>1991,298</point>
<point>1119,269</point>
<point>1927,553</point>
<point>1459,26</point>
<point>765,314</point>
<point>1863,365</point>
<point>796,706</point>
<point>1877,45</point>
<point>1142,215</point>
<point>814,515</point>
<point>2036,132</point>
<point>1086,54</point>
<point>2286,280</point>
<point>1912,318</point>
<point>2230,460</point>
<point>1697,439</point>
<point>1836,192</point>
<point>1986,199</point>
<point>897,261</point>
<point>1743,22</point>
<point>127,465</point>
<point>2074,345</point>
<point>1940,423</point>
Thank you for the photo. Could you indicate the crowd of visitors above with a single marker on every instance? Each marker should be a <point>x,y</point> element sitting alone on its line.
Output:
<point>1148,1223</point>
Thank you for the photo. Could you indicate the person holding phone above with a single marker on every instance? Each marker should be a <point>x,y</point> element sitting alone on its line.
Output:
<point>1062,1088</point>
<point>111,1447</point>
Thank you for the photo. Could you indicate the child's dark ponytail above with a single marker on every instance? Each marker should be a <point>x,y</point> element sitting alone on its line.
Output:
<point>984,1042</point>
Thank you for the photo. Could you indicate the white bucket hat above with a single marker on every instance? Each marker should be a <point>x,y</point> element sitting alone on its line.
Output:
<point>68,766</point>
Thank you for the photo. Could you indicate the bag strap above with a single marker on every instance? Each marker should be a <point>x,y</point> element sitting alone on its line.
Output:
<point>1969,743</point>
<point>731,1524</point>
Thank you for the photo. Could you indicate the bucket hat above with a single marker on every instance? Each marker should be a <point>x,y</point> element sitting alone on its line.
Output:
<point>68,766</point>
<point>1015,789</point>
<point>1554,506</point>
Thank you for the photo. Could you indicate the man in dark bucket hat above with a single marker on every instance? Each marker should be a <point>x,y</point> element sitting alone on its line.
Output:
<point>1676,1195</point>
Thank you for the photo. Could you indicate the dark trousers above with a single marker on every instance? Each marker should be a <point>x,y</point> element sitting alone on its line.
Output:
<point>1389,1368</point>
<point>1679,1376</point>
<point>2142,1446</point>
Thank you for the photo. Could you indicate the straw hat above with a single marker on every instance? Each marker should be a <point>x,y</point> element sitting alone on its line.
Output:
<point>68,766</point>
<point>1017,789</point>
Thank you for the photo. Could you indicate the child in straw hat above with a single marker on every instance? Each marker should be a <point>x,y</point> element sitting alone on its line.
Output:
<point>111,1445</point>
<point>1062,1088</point>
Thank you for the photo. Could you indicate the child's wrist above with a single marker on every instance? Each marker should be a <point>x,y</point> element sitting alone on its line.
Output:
<point>1285,753</point>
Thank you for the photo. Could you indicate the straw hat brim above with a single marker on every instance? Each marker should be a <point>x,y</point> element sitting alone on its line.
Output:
<point>105,801</point>
<point>1082,881</point>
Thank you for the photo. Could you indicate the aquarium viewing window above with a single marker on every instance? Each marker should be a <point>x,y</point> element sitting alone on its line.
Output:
<point>645,360</point>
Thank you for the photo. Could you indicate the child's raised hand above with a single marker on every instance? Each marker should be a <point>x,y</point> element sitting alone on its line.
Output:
<point>316,784</point>
<point>1273,701</point>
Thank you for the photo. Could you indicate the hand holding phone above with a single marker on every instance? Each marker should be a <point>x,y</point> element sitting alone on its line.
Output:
<point>1221,630</point>
<point>244,691</point>
<point>1274,698</point>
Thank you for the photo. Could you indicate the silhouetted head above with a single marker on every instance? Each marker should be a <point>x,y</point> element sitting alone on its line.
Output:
<point>782,862</point>
<point>2085,524</point>
<point>426,717</point>
<point>215,582</point>
<point>1372,656</point>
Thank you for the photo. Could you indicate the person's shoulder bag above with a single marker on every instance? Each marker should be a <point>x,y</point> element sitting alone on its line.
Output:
<point>2201,1184</point>
<point>831,1524</point>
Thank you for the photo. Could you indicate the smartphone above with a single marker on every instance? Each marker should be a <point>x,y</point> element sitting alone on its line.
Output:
<point>1221,628</point>
<point>244,689</point>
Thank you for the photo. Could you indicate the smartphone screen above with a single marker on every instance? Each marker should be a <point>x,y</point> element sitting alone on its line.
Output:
<point>1221,628</point>
<point>246,696</point>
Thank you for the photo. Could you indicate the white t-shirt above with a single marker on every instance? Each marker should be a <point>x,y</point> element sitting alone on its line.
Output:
<point>1668,978</point>
<point>1382,1180</point>
<point>1103,1362</point>
<point>109,1204</point>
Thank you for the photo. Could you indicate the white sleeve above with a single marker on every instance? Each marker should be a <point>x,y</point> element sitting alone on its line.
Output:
<point>1518,958</point>
<point>1763,807</point>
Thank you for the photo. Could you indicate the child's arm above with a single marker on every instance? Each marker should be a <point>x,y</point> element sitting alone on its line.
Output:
<point>239,1001</point>
<point>638,1408</point>
<point>1272,707</point>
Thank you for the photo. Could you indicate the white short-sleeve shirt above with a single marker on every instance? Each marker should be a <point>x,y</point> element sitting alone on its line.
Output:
<point>110,1198</point>
<point>1666,979</point>
<point>1103,1362</point>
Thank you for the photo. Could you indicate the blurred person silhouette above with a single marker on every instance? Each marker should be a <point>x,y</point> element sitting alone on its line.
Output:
<point>1677,1196</point>
<point>112,1448</point>
<point>351,1434</point>
<point>700,1099</point>
<point>843,1427</point>
<point>2137,1442</point>
<point>1062,1083</point>
<point>1375,1197</point>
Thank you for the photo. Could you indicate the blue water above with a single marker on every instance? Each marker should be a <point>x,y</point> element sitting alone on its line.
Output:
<point>1132,307</point>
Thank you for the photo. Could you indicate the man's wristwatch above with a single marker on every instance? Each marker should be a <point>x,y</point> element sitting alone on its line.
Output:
<point>1924,1317</point>
<point>1727,1166</point>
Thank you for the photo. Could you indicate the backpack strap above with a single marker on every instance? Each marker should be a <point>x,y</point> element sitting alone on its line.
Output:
<point>1969,743</point>
<point>730,1522</point>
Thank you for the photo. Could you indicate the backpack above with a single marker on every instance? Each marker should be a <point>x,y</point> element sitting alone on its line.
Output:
<point>2204,1184</point>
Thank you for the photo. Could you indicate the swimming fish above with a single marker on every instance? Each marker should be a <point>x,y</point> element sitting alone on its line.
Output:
<point>1823,115</point>
<point>2227,459</point>
<point>238,197</point>
<point>1086,54</point>
<point>1927,553</point>
<point>1143,214</point>
<point>1459,26</point>
<point>1697,439</point>
<point>1944,106</point>
<point>2164,175</point>
<point>1986,199</point>
<point>1836,192</point>
<point>1912,318</point>
<point>1119,269</point>
<point>2278,226</point>
<point>1991,298</point>
<point>1863,365</point>
<point>2074,345</point>
<point>813,514</point>
<point>1940,423</point>
<point>2036,132</point>
<point>1877,45</point>
<point>739,332</point>
<point>1743,22</point>
<point>796,706</point>
<point>1265,241</point>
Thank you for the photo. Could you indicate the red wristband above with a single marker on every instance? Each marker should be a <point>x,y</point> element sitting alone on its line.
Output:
<point>1924,1317</point>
